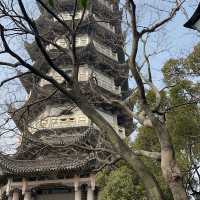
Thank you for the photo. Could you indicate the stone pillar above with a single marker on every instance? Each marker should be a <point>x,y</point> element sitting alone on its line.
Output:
<point>27,195</point>
<point>15,195</point>
<point>90,194</point>
<point>24,186</point>
<point>91,187</point>
<point>77,188</point>
<point>78,194</point>
<point>8,187</point>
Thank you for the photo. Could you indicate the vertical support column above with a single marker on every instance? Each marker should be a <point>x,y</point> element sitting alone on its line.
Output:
<point>91,188</point>
<point>1,193</point>
<point>15,195</point>
<point>90,193</point>
<point>27,195</point>
<point>77,194</point>
<point>77,188</point>
<point>8,187</point>
<point>25,191</point>
<point>24,186</point>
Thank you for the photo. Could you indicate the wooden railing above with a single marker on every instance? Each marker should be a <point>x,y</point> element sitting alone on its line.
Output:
<point>84,74</point>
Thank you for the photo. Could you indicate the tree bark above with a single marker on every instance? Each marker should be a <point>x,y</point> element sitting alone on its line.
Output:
<point>172,174</point>
<point>121,148</point>
<point>170,170</point>
<point>151,185</point>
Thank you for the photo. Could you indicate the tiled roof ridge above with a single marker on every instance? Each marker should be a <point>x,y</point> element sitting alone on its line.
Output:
<point>11,166</point>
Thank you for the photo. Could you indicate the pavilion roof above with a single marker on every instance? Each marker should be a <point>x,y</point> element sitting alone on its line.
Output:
<point>10,166</point>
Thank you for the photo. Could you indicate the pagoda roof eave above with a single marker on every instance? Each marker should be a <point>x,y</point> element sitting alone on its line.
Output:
<point>10,166</point>
<point>82,52</point>
<point>55,29</point>
<point>69,4</point>
<point>22,115</point>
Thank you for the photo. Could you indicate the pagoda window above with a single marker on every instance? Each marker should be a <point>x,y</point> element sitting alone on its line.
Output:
<point>72,119</point>
<point>63,119</point>
<point>82,41</point>
<point>62,122</point>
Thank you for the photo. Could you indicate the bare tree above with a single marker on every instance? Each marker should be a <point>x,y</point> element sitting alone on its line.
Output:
<point>134,106</point>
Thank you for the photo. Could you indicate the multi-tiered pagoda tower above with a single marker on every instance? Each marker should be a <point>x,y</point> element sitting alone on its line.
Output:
<point>53,160</point>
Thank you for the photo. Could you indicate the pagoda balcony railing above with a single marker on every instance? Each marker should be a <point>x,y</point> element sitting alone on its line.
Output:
<point>105,24</point>
<point>82,41</point>
<point>85,73</point>
<point>106,51</point>
<point>78,119</point>
<point>67,16</point>
<point>107,4</point>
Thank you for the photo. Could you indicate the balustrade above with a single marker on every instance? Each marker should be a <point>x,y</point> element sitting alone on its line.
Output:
<point>84,75</point>
<point>64,121</point>
<point>82,41</point>
<point>105,50</point>
<point>77,119</point>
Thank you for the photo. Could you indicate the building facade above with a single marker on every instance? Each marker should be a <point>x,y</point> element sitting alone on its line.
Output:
<point>52,160</point>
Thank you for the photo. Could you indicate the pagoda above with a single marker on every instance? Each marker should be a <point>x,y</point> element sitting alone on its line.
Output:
<point>54,159</point>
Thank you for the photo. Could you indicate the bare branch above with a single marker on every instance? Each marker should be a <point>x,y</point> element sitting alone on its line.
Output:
<point>148,154</point>
<point>164,21</point>
<point>12,78</point>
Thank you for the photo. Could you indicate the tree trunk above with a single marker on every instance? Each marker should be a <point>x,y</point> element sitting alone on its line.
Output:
<point>121,148</point>
<point>151,185</point>
<point>172,173</point>
<point>170,169</point>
